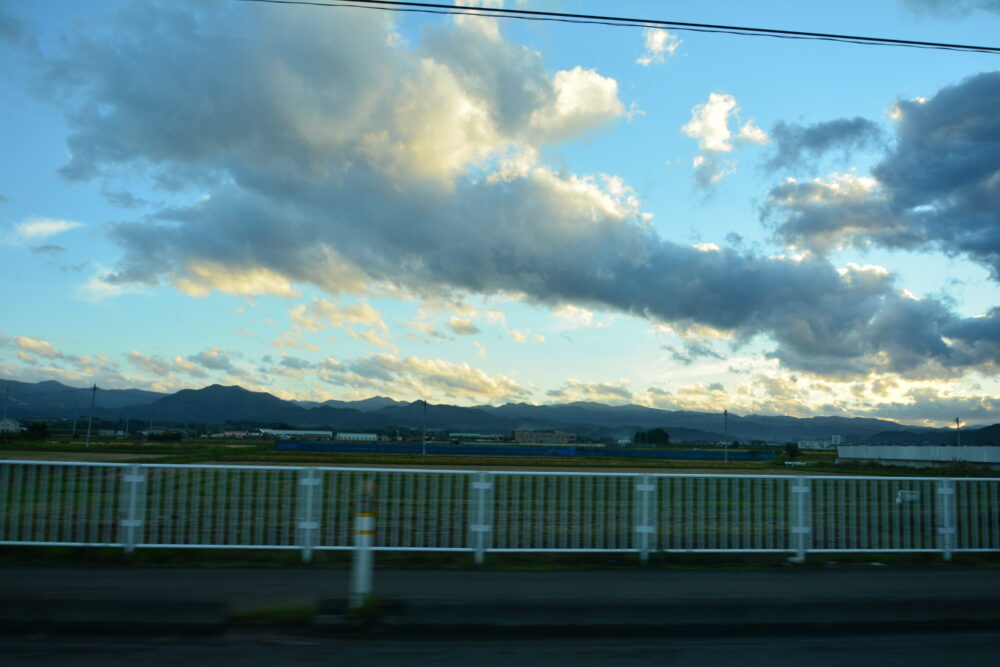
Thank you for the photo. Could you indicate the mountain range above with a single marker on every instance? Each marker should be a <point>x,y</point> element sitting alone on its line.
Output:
<point>216,404</point>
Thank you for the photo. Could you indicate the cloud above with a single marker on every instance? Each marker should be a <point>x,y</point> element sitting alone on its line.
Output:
<point>214,358</point>
<point>599,392</point>
<point>462,326</point>
<point>415,378</point>
<point>575,317</point>
<point>37,347</point>
<point>659,45</point>
<point>151,364</point>
<point>952,8</point>
<point>524,336</point>
<point>710,125</point>
<point>34,230</point>
<point>429,183</point>
<point>48,249</point>
<point>937,188</point>
<point>12,29</point>
<point>933,406</point>
<point>692,351</point>
<point>324,313</point>
<point>802,145</point>
<point>45,361</point>
<point>164,368</point>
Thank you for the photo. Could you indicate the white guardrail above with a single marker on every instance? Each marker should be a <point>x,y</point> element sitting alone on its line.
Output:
<point>313,508</point>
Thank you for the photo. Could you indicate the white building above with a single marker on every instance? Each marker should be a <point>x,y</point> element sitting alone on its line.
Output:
<point>9,425</point>
<point>358,437</point>
<point>920,456</point>
<point>296,435</point>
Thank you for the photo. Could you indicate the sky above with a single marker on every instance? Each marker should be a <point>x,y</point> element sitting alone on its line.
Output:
<point>335,203</point>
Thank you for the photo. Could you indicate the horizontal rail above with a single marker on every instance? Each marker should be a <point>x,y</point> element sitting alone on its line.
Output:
<point>312,508</point>
<point>448,471</point>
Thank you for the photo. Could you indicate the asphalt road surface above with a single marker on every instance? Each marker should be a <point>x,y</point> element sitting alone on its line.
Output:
<point>965,649</point>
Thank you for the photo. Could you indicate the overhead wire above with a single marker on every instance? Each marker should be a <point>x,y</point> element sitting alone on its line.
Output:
<point>628,22</point>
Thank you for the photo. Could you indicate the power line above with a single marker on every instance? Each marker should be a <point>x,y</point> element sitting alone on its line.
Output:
<point>627,22</point>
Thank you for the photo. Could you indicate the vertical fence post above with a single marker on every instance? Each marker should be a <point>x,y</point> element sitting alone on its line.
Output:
<point>364,535</point>
<point>645,516</point>
<point>480,514</point>
<point>309,508</point>
<point>133,506</point>
<point>946,516</point>
<point>800,520</point>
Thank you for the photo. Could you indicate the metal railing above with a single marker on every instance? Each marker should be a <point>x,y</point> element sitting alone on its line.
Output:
<point>312,508</point>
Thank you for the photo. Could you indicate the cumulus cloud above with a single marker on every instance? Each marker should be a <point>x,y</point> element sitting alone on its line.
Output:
<point>659,45</point>
<point>798,145</point>
<point>711,124</point>
<point>415,377</point>
<point>937,188</point>
<point>341,159</point>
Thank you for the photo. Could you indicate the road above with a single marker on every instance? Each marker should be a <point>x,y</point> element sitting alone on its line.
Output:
<point>965,649</point>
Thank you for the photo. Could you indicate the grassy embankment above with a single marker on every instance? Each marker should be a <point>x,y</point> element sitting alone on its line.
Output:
<point>239,452</point>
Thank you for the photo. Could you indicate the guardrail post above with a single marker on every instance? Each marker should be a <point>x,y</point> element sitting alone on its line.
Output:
<point>801,514</point>
<point>364,534</point>
<point>481,514</point>
<point>133,506</point>
<point>309,508</point>
<point>946,516</point>
<point>645,516</point>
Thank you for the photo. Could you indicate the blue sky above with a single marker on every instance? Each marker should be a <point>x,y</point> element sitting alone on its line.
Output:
<point>336,203</point>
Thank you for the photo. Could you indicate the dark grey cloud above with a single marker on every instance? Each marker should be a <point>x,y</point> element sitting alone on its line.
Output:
<point>48,250</point>
<point>938,187</point>
<point>798,145</point>
<point>334,157</point>
<point>12,29</point>
<point>691,351</point>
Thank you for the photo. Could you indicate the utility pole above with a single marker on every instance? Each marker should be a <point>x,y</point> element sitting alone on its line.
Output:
<point>725,421</point>
<point>90,420</point>
<point>958,432</point>
<point>6,398</point>
<point>423,429</point>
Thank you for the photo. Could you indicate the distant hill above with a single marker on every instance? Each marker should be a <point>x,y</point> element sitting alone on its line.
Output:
<point>51,399</point>
<point>217,404</point>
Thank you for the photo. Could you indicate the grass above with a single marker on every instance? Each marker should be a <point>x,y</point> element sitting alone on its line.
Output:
<point>103,557</point>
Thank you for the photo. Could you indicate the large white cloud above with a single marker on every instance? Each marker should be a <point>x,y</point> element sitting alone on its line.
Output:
<point>337,157</point>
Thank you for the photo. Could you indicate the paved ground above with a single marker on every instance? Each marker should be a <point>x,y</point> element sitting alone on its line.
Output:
<point>903,650</point>
<point>246,588</point>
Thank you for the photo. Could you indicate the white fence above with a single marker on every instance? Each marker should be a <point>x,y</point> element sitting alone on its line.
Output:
<point>280,507</point>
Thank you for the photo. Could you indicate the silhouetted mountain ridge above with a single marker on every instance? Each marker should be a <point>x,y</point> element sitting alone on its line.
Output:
<point>216,404</point>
